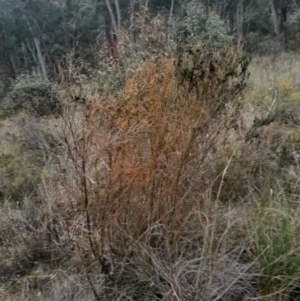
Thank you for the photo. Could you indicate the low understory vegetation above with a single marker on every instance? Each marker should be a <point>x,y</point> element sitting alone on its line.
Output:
<point>181,185</point>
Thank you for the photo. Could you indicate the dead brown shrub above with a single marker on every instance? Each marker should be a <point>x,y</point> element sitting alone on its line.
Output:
<point>139,163</point>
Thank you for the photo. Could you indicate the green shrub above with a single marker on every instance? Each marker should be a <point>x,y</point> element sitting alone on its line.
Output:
<point>57,51</point>
<point>32,94</point>
<point>216,77</point>
<point>197,26</point>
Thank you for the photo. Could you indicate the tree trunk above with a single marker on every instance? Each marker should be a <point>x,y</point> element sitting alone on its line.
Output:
<point>37,68</point>
<point>239,25</point>
<point>40,37</point>
<point>170,19</point>
<point>146,4</point>
<point>112,17</point>
<point>41,58</point>
<point>171,11</point>
<point>118,15</point>
<point>275,24</point>
<point>36,31</point>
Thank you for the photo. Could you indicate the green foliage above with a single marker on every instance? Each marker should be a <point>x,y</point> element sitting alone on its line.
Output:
<point>197,26</point>
<point>32,94</point>
<point>216,76</point>
<point>57,51</point>
<point>276,243</point>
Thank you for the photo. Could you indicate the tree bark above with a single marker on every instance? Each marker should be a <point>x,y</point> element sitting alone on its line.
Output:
<point>118,15</point>
<point>170,19</point>
<point>41,58</point>
<point>146,4</point>
<point>275,24</point>
<point>37,65</point>
<point>36,30</point>
<point>171,11</point>
<point>112,17</point>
